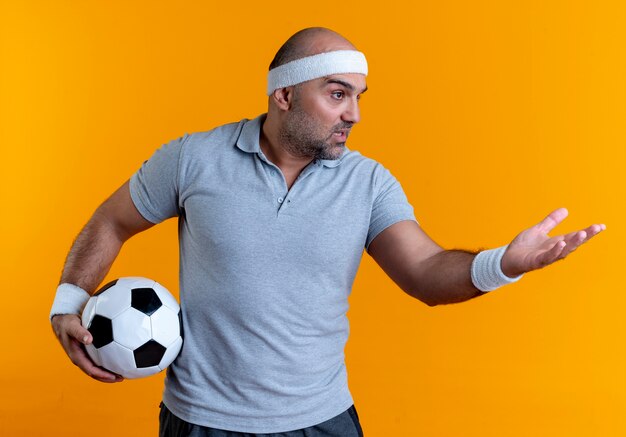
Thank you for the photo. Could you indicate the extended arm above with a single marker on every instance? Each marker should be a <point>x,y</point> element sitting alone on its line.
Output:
<point>421,267</point>
<point>436,276</point>
<point>88,262</point>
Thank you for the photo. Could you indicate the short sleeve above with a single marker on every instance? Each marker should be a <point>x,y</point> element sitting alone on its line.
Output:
<point>390,205</point>
<point>155,187</point>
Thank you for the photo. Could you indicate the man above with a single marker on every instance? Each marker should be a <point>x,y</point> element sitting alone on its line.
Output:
<point>274,214</point>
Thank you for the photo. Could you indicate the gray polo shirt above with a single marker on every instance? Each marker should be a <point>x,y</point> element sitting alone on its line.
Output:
<point>265,274</point>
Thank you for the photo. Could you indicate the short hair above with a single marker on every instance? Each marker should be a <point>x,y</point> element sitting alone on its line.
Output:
<point>296,46</point>
<point>288,52</point>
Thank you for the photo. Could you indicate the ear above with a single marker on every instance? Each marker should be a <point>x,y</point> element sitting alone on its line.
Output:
<point>283,97</point>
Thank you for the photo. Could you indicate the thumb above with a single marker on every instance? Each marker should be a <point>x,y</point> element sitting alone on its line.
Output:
<point>79,332</point>
<point>553,219</point>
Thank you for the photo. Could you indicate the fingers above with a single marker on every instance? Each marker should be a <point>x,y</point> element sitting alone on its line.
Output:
<point>552,254</point>
<point>577,238</point>
<point>594,230</point>
<point>78,356</point>
<point>553,219</point>
<point>73,336</point>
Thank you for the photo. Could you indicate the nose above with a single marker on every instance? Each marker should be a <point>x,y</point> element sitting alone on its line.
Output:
<point>352,113</point>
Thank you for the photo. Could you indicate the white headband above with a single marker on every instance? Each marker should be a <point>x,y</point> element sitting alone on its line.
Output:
<point>312,67</point>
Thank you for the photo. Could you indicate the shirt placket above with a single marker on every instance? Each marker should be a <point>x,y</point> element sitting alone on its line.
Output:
<point>283,197</point>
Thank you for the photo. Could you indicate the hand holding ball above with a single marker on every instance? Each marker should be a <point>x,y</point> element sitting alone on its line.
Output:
<point>136,327</point>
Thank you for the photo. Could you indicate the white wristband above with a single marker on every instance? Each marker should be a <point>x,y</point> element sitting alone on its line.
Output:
<point>70,299</point>
<point>487,272</point>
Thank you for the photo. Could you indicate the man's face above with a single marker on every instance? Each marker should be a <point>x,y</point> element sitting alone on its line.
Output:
<point>321,115</point>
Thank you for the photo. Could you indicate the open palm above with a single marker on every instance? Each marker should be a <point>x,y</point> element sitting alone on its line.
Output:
<point>533,249</point>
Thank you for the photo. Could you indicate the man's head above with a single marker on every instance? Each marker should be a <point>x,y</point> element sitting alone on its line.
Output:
<point>314,117</point>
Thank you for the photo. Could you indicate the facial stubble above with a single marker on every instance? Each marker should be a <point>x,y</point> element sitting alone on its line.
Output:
<point>300,137</point>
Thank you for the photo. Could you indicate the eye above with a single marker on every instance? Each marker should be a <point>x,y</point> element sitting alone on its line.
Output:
<point>337,95</point>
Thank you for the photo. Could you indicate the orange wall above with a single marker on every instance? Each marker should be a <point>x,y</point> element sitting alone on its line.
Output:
<point>491,114</point>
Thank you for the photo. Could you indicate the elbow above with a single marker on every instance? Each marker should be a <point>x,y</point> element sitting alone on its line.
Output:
<point>423,297</point>
<point>430,302</point>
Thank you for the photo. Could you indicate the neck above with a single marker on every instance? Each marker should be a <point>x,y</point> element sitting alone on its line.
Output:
<point>276,152</point>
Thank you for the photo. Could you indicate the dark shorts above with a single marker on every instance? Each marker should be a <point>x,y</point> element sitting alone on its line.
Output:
<point>345,424</point>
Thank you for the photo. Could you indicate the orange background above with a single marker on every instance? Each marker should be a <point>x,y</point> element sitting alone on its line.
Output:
<point>491,114</point>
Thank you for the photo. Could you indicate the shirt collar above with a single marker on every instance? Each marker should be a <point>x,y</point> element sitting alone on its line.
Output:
<point>248,141</point>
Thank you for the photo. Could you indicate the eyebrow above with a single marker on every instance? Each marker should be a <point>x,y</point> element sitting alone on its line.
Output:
<point>345,84</point>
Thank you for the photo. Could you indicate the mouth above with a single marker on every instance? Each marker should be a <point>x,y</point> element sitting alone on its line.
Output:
<point>342,134</point>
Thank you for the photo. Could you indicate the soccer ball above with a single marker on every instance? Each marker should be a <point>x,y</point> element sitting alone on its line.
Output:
<point>136,327</point>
